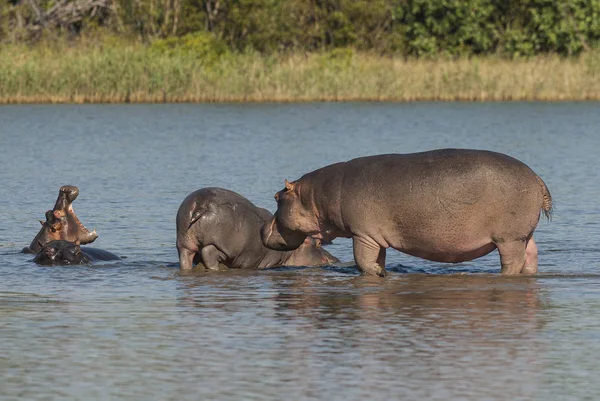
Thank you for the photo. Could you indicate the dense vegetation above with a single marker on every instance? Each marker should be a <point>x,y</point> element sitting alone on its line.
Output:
<point>298,50</point>
<point>414,28</point>
<point>90,73</point>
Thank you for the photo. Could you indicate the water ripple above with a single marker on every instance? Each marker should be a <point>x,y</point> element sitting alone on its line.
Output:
<point>138,328</point>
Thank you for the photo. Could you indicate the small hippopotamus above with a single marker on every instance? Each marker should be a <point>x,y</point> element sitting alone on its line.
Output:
<point>62,223</point>
<point>448,205</point>
<point>217,226</point>
<point>61,252</point>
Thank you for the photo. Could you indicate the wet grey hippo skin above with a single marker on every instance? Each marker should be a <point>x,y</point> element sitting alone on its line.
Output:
<point>217,226</point>
<point>63,252</point>
<point>59,239</point>
<point>62,223</point>
<point>448,205</point>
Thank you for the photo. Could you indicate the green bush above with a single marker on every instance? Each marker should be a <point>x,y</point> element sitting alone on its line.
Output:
<point>413,28</point>
<point>453,27</point>
<point>202,46</point>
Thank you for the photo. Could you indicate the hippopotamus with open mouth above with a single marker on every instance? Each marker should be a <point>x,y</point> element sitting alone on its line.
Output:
<point>448,205</point>
<point>217,226</point>
<point>62,223</point>
<point>59,239</point>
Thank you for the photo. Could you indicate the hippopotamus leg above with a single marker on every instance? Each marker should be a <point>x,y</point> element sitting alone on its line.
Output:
<point>369,256</point>
<point>531,258</point>
<point>186,258</point>
<point>518,257</point>
<point>512,256</point>
<point>212,256</point>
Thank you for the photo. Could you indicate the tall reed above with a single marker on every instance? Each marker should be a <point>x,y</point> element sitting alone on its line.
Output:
<point>137,73</point>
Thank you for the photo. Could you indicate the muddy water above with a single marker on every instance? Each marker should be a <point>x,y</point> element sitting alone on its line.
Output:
<point>138,329</point>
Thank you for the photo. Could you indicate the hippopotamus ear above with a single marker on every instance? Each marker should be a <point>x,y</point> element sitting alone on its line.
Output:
<point>289,185</point>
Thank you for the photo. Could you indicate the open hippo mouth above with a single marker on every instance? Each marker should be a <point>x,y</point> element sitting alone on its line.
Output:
<point>64,203</point>
<point>62,223</point>
<point>66,195</point>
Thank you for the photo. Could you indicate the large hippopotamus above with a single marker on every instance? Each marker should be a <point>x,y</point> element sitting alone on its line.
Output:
<point>448,205</point>
<point>61,252</point>
<point>62,223</point>
<point>217,226</point>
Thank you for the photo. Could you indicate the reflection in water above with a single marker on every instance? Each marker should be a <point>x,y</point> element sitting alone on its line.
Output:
<point>449,334</point>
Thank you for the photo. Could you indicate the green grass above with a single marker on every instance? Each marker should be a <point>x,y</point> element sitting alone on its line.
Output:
<point>129,72</point>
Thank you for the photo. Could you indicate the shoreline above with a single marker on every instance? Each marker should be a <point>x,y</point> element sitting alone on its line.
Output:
<point>458,99</point>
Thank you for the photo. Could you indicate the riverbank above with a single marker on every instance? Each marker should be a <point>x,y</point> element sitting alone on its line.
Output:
<point>134,73</point>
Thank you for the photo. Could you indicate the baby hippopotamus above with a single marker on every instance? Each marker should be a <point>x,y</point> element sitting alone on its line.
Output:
<point>217,226</point>
<point>447,205</point>
<point>62,252</point>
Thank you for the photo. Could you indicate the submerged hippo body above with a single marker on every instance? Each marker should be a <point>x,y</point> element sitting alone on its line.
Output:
<point>62,223</point>
<point>449,205</point>
<point>217,226</point>
<point>61,252</point>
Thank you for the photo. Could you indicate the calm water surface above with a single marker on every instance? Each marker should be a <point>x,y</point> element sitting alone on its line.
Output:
<point>138,329</point>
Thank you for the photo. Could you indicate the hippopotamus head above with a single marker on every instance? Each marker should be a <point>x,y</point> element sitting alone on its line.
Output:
<point>52,229</point>
<point>60,252</point>
<point>292,222</point>
<point>62,223</point>
<point>310,253</point>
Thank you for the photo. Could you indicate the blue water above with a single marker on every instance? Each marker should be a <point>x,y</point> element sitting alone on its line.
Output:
<point>138,329</point>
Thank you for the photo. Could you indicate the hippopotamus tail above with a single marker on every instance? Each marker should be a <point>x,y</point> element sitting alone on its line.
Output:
<point>547,206</point>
